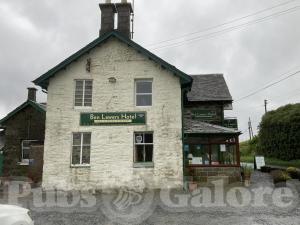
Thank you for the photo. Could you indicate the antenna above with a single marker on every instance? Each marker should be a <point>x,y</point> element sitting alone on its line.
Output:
<point>132,21</point>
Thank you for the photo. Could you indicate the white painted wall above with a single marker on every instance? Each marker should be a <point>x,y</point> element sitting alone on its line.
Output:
<point>112,146</point>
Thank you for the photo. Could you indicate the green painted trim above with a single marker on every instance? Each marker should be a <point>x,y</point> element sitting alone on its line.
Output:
<point>35,105</point>
<point>43,80</point>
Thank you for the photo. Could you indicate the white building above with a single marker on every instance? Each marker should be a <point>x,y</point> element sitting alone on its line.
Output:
<point>114,114</point>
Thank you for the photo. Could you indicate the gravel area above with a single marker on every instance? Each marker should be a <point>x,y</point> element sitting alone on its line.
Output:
<point>241,206</point>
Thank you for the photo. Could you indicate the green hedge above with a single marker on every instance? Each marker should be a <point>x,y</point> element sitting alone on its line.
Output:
<point>279,134</point>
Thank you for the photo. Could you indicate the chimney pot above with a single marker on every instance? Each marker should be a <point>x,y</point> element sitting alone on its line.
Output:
<point>32,94</point>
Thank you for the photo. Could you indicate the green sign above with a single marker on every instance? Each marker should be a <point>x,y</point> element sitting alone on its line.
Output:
<point>205,114</point>
<point>231,123</point>
<point>111,118</point>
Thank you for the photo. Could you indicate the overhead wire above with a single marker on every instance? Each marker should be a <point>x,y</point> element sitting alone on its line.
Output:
<point>226,30</point>
<point>223,24</point>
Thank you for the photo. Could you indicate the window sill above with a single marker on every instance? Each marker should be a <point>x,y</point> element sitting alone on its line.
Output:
<point>81,166</point>
<point>84,108</point>
<point>23,163</point>
<point>143,165</point>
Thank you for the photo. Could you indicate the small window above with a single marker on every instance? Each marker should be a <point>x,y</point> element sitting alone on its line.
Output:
<point>143,93</point>
<point>25,154</point>
<point>81,149</point>
<point>143,147</point>
<point>83,93</point>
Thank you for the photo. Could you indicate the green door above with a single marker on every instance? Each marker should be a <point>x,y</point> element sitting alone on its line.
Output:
<point>1,162</point>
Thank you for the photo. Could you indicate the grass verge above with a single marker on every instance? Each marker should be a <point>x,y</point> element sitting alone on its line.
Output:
<point>273,162</point>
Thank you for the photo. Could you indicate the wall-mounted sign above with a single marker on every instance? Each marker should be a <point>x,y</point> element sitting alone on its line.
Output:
<point>113,118</point>
<point>205,114</point>
<point>230,123</point>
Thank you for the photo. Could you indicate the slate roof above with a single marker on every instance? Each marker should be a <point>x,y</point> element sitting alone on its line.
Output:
<point>43,80</point>
<point>209,87</point>
<point>198,127</point>
<point>39,107</point>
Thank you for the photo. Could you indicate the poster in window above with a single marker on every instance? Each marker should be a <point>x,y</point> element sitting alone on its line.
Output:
<point>223,148</point>
<point>139,139</point>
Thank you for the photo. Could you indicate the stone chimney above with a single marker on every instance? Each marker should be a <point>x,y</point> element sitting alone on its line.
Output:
<point>32,94</point>
<point>108,11</point>
<point>124,17</point>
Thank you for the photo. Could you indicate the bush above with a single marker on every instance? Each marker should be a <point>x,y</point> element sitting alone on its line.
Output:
<point>279,135</point>
<point>293,172</point>
<point>280,176</point>
<point>249,148</point>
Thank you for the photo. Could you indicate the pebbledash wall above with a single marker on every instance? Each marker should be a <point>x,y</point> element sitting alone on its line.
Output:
<point>111,160</point>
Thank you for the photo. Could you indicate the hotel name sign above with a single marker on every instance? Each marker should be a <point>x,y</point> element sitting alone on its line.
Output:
<point>113,118</point>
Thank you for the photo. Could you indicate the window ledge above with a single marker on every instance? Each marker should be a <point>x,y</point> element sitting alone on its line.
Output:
<point>81,166</point>
<point>23,163</point>
<point>83,107</point>
<point>143,165</point>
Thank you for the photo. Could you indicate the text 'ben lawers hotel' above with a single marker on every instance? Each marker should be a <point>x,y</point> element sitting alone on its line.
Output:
<point>118,115</point>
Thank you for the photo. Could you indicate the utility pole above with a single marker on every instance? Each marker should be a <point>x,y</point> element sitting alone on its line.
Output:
<point>250,129</point>
<point>266,103</point>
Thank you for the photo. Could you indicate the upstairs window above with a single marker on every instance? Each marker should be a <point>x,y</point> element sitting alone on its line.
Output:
<point>83,93</point>
<point>143,92</point>
<point>81,149</point>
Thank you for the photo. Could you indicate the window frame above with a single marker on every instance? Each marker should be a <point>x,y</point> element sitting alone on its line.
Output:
<point>23,160</point>
<point>81,149</point>
<point>143,164</point>
<point>83,92</point>
<point>136,81</point>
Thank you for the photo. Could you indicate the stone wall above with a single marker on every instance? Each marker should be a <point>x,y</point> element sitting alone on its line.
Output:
<point>36,167</point>
<point>28,124</point>
<point>111,163</point>
<point>201,174</point>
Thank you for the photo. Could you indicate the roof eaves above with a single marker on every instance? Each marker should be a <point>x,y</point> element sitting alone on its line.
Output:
<point>42,81</point>
<point>21,107</point>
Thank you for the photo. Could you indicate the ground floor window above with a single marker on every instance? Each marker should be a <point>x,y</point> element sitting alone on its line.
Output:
<point>212,151</point>
<point>143,147</point>
<point>81,149</point>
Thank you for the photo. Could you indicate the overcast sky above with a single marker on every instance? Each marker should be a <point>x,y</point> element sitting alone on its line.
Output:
<point>251,52</point>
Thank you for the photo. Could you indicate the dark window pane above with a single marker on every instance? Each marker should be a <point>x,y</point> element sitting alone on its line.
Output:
<point>26,153</point>
<point>143,87</point>
<point>77,139</point>
<point>149,153</point>
<point>215,155</point>
<point>86,138</point>
<point>144,100</point>
<point>86,151</point>
<point>76,155</point>
<point>139,153</point>
<point>149,138</point>
<point>26,144</point>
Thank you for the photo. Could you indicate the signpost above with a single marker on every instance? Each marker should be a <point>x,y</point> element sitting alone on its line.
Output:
<point>259,162</point>
<point>113,118</point>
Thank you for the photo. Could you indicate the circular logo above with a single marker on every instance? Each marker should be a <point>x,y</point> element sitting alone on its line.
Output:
<point>128,206</point>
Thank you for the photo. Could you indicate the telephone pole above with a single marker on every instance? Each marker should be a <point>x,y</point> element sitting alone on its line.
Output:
<point>266,103</point>
<point>250,129</point>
